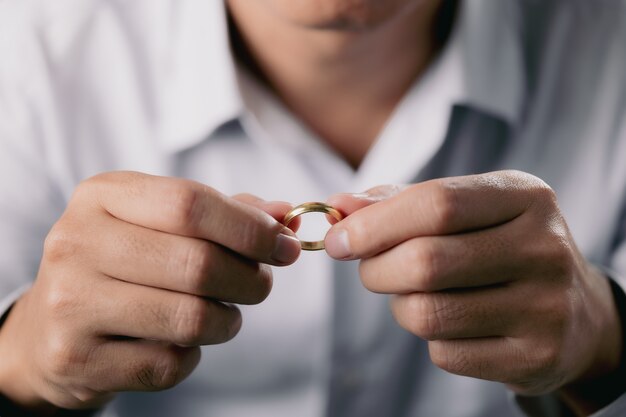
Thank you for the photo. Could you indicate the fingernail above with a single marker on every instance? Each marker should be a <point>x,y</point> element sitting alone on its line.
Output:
<point>287,248</point>
<point>361,196</point>
<point>338,244</point>
<point>380,193</point>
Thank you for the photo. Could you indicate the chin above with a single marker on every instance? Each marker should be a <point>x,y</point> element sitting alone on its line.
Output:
<point>340,14</point>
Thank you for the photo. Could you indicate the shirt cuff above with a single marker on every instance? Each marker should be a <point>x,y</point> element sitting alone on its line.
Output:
<point>7,302</point>
<point>616,409</point>
<point>547,406</point>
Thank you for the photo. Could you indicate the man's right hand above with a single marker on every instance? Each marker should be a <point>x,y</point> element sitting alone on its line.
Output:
<point>135,276</point>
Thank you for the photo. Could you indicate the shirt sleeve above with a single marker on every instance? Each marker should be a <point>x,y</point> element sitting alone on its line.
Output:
<point>616,409</point>
<point>7,302</point>
<point>29,200</point>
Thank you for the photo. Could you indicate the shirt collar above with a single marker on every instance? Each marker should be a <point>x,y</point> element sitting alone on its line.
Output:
<point>492,61</point>
<point>201,92</point>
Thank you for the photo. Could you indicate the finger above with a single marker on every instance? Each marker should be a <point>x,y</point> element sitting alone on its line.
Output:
<point>349,203</point>
<point>276,209</point>
<point>508,360</point>
<point>138,365</point>
<point>438,207</point>
<point>192,209</point>
<point>123,309</point>
<point>189,265</point>
<point>433,263</point>
<point>470,313</point>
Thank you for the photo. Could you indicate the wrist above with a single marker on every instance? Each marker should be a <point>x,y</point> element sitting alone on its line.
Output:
<point>16,396</point>
<point>608,379</point>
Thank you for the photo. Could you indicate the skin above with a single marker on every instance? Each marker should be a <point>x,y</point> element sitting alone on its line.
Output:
<point>125,306</point>
<point>329,60</point>
<point>485,269</point>
<point>170,255</point>
<point>137,274</point>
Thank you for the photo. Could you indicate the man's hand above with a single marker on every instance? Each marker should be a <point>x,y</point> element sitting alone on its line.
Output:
<point>137,273</point>
<point>485,269</point>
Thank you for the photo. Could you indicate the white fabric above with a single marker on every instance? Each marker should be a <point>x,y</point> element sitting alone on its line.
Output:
<point>97,85</point>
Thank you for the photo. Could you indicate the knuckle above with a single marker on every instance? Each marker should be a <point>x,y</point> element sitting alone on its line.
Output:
<point>359,232</point>
<point>439,355</point>
<point>557,311</point>
<point>164,373</point>
<point>444,200</point>
<point>544,360</point>
<point>82,398</point>
<point>84,188</point>
<point>431,325</point>
<point>103,177</point>
<point>63,357</point>
<point>257,233</point>
<point>71,400</point>
<point>556,253</point>
<point>541,371</point>
<point>562,261</point>
<point>544,198</point>
<point>445,356</point>
<point>185,201</point>
<point>191,321</point>
<point>263,285</point>
<point>197,264</point>
<point>543,191</point>
<point>357,229</point>
<point>59,302</point>
<point>87,188</point>
<point>251,236</point>
<point>61,244</point>
<point>369,274</point>
<point>246,198</point>
<point>427,262</point>
<point>421,316</point>
<point>231,326</point>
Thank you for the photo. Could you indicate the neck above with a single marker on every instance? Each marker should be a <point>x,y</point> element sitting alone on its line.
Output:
<point>343,84</point>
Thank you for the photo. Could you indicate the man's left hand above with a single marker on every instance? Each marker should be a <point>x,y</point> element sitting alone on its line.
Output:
<point>485,268</point>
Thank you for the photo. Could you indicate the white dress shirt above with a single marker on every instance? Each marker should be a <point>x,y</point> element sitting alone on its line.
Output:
<point>88,86</point>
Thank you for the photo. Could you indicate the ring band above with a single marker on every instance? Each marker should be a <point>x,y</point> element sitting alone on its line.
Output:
<point>313,207</point>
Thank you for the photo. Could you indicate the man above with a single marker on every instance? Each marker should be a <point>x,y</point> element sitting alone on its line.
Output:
<point>496,276</point>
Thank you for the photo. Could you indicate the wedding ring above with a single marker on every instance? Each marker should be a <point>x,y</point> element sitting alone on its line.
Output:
<point>313,207</point>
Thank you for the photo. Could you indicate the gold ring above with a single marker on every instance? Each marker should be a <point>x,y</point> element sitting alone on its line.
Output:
<point>313,207</point>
